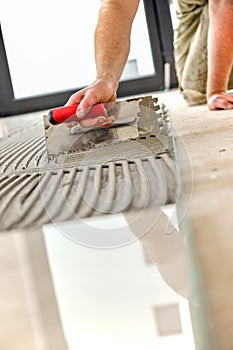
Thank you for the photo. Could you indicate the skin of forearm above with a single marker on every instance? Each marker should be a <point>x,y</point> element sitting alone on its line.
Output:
<point>112,38</point>
<point>220,44</point>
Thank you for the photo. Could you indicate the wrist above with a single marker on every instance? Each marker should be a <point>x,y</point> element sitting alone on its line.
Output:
<point>108,80</point>
<point>214,92</point>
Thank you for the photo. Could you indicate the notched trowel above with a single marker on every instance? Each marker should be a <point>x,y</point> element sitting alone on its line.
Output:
<point>132,118</point>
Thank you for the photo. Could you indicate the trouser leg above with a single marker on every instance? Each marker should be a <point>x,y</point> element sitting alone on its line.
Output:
<point>190,49</point>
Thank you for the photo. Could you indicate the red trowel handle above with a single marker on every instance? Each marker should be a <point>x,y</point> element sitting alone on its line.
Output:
<point>68,113</point>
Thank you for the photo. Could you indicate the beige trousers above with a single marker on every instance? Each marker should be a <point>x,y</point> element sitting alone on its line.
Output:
<point>190,49</point>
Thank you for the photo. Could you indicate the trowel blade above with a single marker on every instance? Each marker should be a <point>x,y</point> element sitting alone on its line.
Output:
<point>61,139</point>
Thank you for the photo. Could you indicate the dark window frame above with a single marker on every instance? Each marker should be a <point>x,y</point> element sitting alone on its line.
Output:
<point>161,39</point>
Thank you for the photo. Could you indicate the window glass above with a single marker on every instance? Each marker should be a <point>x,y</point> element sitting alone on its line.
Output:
<point>49,45</point>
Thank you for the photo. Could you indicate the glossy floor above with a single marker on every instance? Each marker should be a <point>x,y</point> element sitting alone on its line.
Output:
<point>58,293</point>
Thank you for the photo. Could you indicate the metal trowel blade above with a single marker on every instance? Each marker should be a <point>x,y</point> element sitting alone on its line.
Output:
<point>61,139</point>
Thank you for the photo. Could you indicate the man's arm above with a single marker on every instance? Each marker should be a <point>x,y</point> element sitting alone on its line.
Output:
<point>112,45</point>
<point>220,53</point>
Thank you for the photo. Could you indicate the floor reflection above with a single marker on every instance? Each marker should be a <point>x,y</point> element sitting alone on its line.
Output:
<point>118,298</point>
<point>57,293</point>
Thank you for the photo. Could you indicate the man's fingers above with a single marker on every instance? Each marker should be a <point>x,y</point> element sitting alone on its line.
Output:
<point>230,97</point>
<point>226,105</point>
<point>109,121</point>
<point>222,101</point>
<point>89,100</point>
<point>220,104</point>
<point>100,122</point>
<point>75,98</point>
<point>82,112</point>
<point>97,121</point>
<point>71,124</point>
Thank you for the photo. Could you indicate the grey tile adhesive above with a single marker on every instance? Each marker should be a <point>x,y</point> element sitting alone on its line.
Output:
<point>119,177</point>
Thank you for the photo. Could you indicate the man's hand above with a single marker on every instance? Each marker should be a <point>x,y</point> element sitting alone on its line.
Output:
<point>99,91</point>
<point>221,100</point>
<point>112,46</point>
